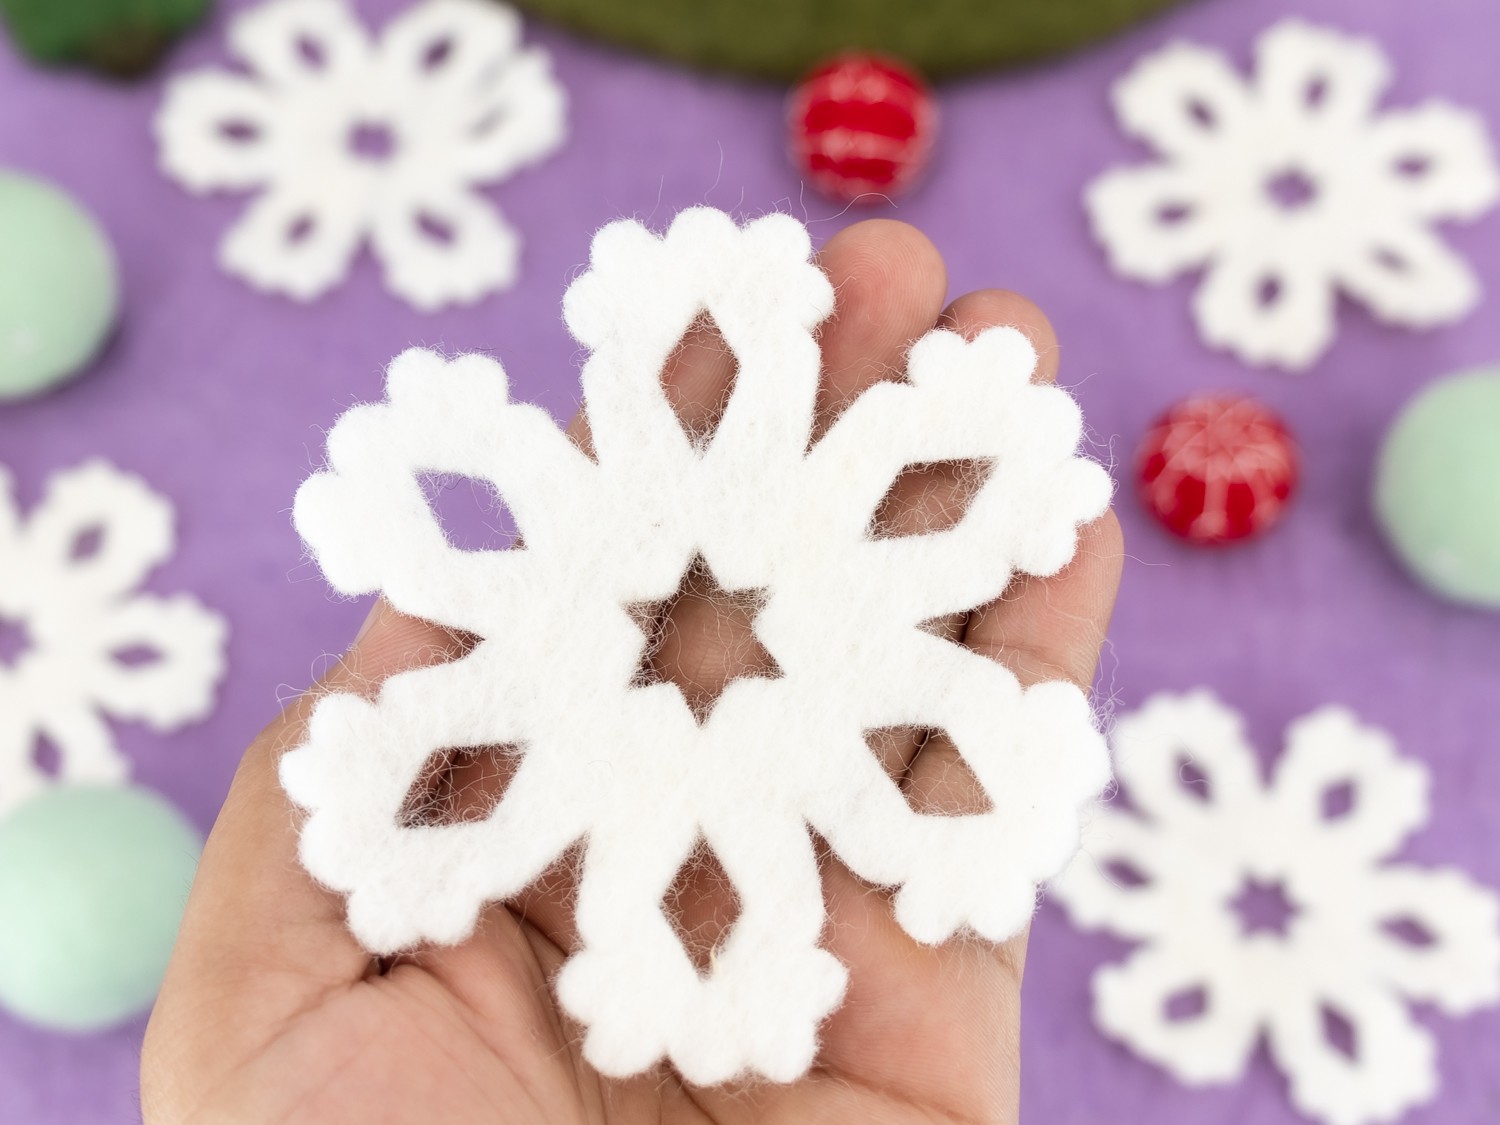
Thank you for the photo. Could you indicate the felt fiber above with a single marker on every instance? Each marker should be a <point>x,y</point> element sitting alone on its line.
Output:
<point>352,139</point>
<point>1437,487</point>
<point>629,768</point>
<point>1290,189</point>
<point>91,645</point>
<point>783,39</point>
<point>59,287</point>
<point>1364,935</point>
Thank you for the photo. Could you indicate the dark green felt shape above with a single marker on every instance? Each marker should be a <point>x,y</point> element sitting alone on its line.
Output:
<point>783,39</point>
<point>119,37</point>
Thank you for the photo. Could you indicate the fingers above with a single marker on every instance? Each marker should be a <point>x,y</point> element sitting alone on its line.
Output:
<point>259,939</point>
<point>889,282</point>
<point>1052,628</point>
<point>972,313</point>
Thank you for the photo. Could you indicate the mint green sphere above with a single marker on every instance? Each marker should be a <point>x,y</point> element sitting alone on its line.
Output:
<point>1437,487</point>
<point>59,289</point>
<point>93,880</point>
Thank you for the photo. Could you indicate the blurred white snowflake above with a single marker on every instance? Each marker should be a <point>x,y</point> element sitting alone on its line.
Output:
<point>79,641</point>
<point>1290,188</point>
<point>352,138</point>
<point>1268,908</point>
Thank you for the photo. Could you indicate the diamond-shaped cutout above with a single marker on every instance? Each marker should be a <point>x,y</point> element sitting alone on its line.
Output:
<point>701,638</point>
<point>699,379</point>
<point>702,907</point>
<point>15,641</point>
<point>459,785</point>
<point>931,774</point>
<point>928,497</point>
<point>471,512</point>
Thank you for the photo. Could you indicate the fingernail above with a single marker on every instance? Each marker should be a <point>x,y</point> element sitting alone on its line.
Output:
<point>368,621</point>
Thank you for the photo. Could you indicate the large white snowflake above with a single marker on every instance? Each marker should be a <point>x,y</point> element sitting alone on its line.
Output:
<point>1291,188</point>
<point>352,139</point>
<point>632,769</point>
<point>1269,908</point>
<point>80,642</point>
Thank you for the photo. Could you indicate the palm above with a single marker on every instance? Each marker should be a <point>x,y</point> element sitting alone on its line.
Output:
<point>272,1013</point>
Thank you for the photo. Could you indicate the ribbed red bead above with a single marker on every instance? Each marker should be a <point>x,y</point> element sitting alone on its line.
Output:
<point>1217,468</point>
<point>861,127</point>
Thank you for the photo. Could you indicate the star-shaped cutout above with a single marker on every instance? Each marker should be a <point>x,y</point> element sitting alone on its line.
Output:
<point>701,638</point>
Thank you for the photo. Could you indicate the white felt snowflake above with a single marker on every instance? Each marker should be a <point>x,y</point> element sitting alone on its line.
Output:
<point>81,642</point>
<point>1269,908</point>
<point>632,769</point>
<point>350,138</point>
<point>1290,189</point>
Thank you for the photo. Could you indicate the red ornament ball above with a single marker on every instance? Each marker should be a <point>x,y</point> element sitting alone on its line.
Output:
<point>861,127</point>
<point>1216,468</point>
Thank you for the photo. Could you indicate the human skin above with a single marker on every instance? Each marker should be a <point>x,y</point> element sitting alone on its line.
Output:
<point>271,1012</point>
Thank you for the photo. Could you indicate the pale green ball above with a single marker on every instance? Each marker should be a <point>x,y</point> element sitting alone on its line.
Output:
<point>59,288</point>
<point>1437,487</point>
<point>93,880</point>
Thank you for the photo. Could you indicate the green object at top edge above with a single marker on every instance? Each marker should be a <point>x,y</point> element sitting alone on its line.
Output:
<point>783,39</point>
<point>118,37</point>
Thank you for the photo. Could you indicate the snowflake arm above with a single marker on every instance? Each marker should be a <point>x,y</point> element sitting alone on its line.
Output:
<point>1302,71</point>
<point>96,646</point>
<point>294,44</point>
<point>375,529</point>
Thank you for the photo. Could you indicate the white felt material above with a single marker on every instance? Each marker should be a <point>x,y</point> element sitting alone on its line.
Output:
<point>79,612</point>
<point>459,101</point>
<point>627,767</point>
<point>1196,847</point>
<point>1372,185</point>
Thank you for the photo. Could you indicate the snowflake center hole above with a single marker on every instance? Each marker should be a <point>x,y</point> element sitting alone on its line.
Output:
<point>470,511</point>
<point>1264,908</point>
<point>15,641</point>
<point>701,638</point>
<point>374,141</point>
<point>459,785</point>
<point>702,907</point>
<point>1291,190</point>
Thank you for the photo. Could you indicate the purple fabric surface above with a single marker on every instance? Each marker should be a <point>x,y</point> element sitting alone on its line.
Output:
<point>218,396</point>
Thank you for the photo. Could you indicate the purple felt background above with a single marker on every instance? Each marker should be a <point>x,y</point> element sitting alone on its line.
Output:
<point>218,396</point>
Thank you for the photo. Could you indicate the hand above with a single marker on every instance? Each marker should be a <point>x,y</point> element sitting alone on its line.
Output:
<point>271,1013</point>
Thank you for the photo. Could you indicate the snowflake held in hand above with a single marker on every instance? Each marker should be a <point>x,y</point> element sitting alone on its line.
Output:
<point>640,773</point>
<point>79,642</point>
<point>350,138</point>
<point>1290,189</point>
<point>1269,908</point>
